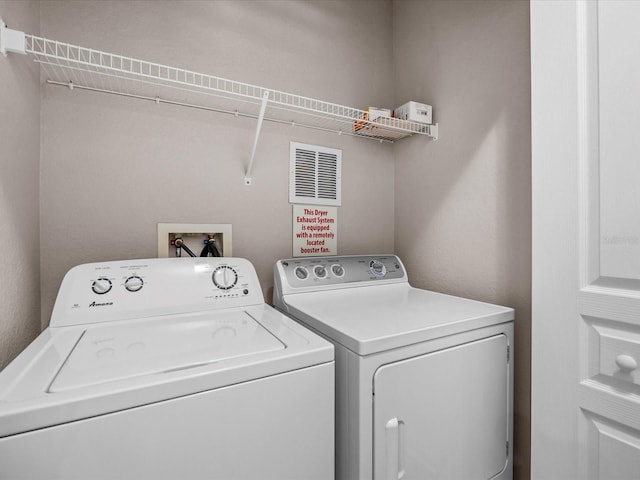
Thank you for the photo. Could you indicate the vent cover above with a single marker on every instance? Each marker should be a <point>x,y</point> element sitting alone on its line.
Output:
<point>314,174</point>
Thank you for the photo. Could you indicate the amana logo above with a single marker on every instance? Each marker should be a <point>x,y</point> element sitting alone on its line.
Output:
<point>105,304</point>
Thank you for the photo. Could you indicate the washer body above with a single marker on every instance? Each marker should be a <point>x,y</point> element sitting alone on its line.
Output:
<point>165,369</point>
<point>424,381</point>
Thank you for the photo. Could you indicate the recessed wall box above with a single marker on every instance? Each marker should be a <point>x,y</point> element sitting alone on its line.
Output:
<point>414,112</point>
<point>193,237</point>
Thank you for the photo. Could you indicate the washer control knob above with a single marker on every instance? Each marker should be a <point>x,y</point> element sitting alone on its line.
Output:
<point>224,277</point>
<point>320,271</point>
<point>337,270</point>
<point>133,283</point>
<point>377,268</point>
<point>302,273</point>
<point>101,286</point>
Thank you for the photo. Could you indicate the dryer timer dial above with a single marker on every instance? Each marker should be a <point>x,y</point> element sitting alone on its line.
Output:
<point>377,268</point>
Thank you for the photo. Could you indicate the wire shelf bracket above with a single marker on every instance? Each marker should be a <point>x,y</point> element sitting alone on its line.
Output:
<point>11,40</point>
<point>83,68</point>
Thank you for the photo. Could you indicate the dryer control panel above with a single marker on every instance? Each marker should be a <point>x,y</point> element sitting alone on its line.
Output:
<point>111,291</point>
<point>320,273</point>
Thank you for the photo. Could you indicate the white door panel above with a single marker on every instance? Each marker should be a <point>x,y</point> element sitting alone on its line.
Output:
<point>443,415</point>
<point>614,450</point>
<point>618,77</point>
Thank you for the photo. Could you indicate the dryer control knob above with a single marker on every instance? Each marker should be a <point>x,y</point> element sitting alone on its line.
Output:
<point>301,273</point>
<point>337,270</point>
<point>133,283</point>
<point>101,286</point>
<point>224,277</point>
<point>320,271</point>
<point>377,268</point>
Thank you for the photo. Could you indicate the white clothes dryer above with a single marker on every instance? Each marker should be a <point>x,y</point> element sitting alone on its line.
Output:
<point>168,369</point>
<point>424,381</point>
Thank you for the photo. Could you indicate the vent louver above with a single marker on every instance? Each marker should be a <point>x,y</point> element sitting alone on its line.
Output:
<point>314,175</point>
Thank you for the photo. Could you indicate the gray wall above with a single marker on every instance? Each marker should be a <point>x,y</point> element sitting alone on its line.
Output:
<point>19,186</point>
<point>113,167</point>
<point>463,203</point>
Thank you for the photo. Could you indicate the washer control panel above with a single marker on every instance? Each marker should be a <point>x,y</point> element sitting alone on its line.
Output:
<point>334,271</point>
<point>117,290</point>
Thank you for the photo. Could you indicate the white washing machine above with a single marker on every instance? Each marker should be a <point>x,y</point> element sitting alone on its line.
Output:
<point>168,369</point>
<point>424,381</point>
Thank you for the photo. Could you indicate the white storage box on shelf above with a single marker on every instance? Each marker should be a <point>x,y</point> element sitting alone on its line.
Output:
<point>415,112</point>
<point>374,112</point>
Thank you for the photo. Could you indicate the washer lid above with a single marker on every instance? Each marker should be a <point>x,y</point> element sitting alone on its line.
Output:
<point>375,318</point>
<point>66,374</point>
<point>111,353</point>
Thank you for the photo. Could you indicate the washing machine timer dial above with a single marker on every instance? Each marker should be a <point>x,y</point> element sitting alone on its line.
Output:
<point>377,268</point>
<point>225,277</point>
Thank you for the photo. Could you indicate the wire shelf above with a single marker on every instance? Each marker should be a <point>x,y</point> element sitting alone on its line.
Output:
<point>88,69</point>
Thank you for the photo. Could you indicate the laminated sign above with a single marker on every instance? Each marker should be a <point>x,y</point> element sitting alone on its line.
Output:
<point>315,230</point>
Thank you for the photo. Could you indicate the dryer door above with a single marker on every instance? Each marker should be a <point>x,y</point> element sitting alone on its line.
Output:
<point>443,415</point>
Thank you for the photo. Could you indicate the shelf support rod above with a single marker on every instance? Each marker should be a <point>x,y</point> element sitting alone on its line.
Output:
<point>263,107</point>
<point>11,40</point>
<point>433,131</point>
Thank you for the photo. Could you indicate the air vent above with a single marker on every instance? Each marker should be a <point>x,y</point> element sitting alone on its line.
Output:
<point>314,175</point>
